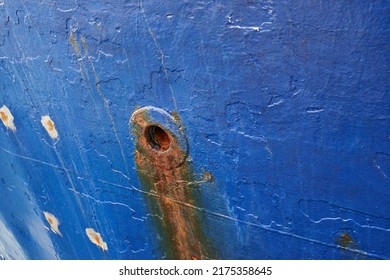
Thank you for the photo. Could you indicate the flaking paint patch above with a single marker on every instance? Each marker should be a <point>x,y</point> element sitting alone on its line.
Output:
<point>96,238</point>
<point>7,118</point>
<point>207,177</point>
<point>346,241</point>
<point>49,125</point>
<point>53,222</point>
<point>350,249</point>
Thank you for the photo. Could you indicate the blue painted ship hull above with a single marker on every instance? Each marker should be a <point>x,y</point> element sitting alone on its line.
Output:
<point>280,109</point>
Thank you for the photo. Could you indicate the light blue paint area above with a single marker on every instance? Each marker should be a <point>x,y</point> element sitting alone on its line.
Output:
<point>10,249</point>
<point>23,229</point>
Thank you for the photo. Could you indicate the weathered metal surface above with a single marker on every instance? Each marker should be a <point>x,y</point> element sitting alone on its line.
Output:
<point>161,161</point>
<point>266,133</point>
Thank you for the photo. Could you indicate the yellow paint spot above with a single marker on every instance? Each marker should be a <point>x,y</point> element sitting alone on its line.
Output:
<point>48,124</point>
<point>7,118</point>
<point>96,239</point>
<point>53,222</point>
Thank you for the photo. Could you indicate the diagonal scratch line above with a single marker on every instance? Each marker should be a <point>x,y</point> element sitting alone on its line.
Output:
<point>34,160</point>
<point>102,201</point>
<point>77,50</point>
<point>132,188</point>
<point>106,105</point>
<point>216,214</point>
<point>161,53</point>
<point>70,180</point>
<point>267,228</point>
<point>31,101</point>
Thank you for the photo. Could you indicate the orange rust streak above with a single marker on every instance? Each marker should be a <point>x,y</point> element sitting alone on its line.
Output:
<point>170,185</point>
<point>179,224</point>
<point>162,168</point>
<point>4,117</point>
<point>83,43</point>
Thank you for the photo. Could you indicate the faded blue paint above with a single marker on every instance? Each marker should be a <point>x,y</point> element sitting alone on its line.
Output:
<point>286,103</point>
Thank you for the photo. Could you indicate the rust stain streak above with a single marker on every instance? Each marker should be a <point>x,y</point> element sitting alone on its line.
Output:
<point>75,45</point>
<point>77,50</point>
<point>164,173</point>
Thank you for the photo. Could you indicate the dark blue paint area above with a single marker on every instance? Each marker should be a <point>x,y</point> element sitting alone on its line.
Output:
<point>285,103</point>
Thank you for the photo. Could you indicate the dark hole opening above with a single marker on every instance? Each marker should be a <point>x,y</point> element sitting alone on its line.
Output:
<point>157,138</point>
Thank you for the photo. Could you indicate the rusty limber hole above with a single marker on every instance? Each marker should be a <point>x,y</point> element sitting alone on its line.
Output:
<point>168,178</point>
<point>157,138</point>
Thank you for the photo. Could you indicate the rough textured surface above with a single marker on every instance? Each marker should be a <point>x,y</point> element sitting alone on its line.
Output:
<point>161,161</point>
<point>285,105</point>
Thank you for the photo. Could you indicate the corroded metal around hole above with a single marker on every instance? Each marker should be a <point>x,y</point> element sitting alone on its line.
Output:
<point>160,138</point>
<point>157,138</point>
<point>161,151</point>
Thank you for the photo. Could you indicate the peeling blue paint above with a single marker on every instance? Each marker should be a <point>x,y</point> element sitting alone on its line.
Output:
<point>285,103</point>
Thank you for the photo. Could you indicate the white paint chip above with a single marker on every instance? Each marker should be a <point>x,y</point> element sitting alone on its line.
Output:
<point>48,124</point>
<point>7,118</point>
<point>53,221</point>
<point>96,239</point>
